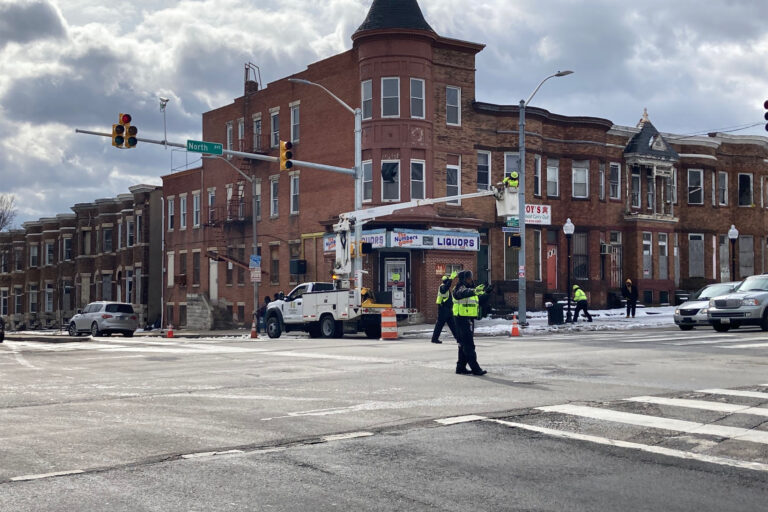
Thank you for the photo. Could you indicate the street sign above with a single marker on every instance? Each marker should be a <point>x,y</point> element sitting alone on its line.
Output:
<point>200,146</point>
<point>512,221</point>
<point>255,261</point>
<point>256,275</point>
<point>506,229</point>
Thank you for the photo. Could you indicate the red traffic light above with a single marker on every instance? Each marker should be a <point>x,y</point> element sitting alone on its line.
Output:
<point>125,118</point>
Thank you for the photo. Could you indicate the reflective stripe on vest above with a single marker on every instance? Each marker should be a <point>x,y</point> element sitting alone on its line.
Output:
<point>466,307</point>
<point>442,297</point>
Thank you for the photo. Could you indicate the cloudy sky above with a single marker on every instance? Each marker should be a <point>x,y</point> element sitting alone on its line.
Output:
<point>64,64</point>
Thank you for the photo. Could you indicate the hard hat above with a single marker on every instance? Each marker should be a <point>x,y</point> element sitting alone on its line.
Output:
<point>629,281</point>
<point>444,278</point>
<point>575,286</point>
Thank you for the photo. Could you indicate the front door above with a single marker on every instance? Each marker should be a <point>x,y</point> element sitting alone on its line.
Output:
<point>395,280</point>
<point>551,267</point>
<point>213,279</point>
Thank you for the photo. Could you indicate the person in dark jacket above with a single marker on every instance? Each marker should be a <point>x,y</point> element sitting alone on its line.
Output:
<point>262,314</point>
<point>465,309</point>
<point>629,292</point>
<point>580,298</point>
<point>444,309</point>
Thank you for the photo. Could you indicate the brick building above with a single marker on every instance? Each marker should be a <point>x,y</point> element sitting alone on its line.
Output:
<point>649,206</point>
<point>106,250</point>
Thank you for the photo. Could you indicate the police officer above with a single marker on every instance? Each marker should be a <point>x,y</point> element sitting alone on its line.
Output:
<point>580,298</point>
<point>444,309</point>
<point>465,309</point>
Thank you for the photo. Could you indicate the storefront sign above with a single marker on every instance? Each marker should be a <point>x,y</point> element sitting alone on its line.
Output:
<point>440,269</point>
<point>538,214</point>
<point>434,239</point>
<point>377,238</point>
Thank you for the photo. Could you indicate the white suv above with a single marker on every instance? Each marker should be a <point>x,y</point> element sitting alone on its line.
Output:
<point>105,318</point>
<point>747,305</point>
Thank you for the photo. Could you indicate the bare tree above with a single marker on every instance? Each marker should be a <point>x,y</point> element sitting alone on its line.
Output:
<point>7,210</point>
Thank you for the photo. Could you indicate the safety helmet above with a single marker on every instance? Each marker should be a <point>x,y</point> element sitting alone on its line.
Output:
<point>575,286</point>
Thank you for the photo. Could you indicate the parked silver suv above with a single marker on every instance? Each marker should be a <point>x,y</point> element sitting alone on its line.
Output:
<point>693,312</point>
<point>747,305</point>
<point>105,318</point>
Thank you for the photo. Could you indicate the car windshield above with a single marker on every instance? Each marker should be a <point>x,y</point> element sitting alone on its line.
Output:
<point>754,284</point>
<point>713,290</point>
<point>119,308</point>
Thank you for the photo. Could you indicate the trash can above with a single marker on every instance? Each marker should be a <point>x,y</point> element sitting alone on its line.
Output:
<point>555,313</point>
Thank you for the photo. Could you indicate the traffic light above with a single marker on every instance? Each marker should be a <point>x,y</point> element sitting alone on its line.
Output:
<point>765,106</point>
<point>123,134</point>
<point>285,155</point>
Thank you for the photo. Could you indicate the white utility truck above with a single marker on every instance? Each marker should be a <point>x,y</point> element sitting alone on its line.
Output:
<point>330,310</point>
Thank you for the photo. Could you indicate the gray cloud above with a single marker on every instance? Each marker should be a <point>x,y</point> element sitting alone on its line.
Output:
<point>26,22</point>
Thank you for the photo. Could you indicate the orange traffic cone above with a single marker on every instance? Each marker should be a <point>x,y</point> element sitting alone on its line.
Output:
<point>254,334</point>
<point>515,328</point>
<point>169,332</point>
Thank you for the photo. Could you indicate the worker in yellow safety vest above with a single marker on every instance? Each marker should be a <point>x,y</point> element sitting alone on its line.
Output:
<point>580,298</point>
<point>465,310</point>
<point>444,309</point>
<point>512,180</point>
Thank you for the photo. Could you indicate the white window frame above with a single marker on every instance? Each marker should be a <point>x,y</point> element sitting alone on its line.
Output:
<point>295,121</point>
<point>294,177</point>
<point>418,98</point>
<point>575,170</point>
<point>614,188</point>
<point>211,204</point>
<point>67,248</point>
<point>601,181</point>
<point>487,185</point>
<point>553,171</point>
<point>169,268</point>
<point>274,127</point>
<point>34,255</point>
<point>240,134</point>
<point>129,236</point>
<point>49,254</point>
<point>722,188</point>
<point>635,199</point>
<point>257,132</point>
<point>751,189</point>
<point>230,136</point>
<point>183,211</point>
<point>48,298</point>
<point>397,181</point>
<point>457,168</point>
<point>511,163</point>
<point>700,173</point>
<point>366,98</point>
<point>388,79</point>
<point>422,181</point>
<point>274,196</point>
<point>171,213</point>
<point>449,107</point>
<point>537,175</point>
<point>4,294</point>
<point>196,209</point>
<point>367,181</point>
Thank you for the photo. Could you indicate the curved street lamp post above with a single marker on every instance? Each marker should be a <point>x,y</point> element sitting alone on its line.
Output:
<point>568,229</point>
<point>733,235</point>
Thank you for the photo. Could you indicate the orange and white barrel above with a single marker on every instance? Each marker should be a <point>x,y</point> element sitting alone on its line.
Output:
<point>388,325</point>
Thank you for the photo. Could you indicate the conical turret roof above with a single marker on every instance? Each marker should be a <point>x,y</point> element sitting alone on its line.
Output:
<point>394,14</point>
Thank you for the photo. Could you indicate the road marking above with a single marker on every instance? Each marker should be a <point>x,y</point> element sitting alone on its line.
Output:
<point>690,427</point>
<point>735,392</point>
<point>351,435</point>
<point>701,404</point>
<point>46,475</point>
<point>747,345</point>
<point>757,466</point>
<point>460,419</point>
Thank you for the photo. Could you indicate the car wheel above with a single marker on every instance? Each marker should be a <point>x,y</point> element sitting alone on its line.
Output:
<point>73,329</point>
<point>685,327</point>
<point>128,334</point>
<point>95,332</point>
<point>721,327</point>
<point>273,327</point>
<point>373,331</point>
<point>764,321</point>
<point>327,326</point>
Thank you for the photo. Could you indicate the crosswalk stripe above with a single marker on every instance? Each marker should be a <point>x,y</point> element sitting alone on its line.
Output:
<point>735,392</point>
<point>643,420</point>
<point>758,466</point>
<point>701,404</point>
<point>747,345</point>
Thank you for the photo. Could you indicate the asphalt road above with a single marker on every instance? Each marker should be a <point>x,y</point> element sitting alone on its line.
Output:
<point>652,419</point>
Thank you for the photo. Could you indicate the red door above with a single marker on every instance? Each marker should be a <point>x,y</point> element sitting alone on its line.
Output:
<point>551,267</point>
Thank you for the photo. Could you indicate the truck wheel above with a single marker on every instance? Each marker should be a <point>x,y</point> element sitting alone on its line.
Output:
<point>685,327</point>
<point>273,327</point>
<point>373,331</point>
<point>339,330</point>
<point>314,330</point>
<point>327,326</point>
<point>721,327</point>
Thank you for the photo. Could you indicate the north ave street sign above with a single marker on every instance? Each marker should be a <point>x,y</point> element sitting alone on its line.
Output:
<point>200,146</point>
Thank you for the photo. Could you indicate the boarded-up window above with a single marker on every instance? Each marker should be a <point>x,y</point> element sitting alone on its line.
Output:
<point>580,256</point>
<point>663,257</point>
<point>695,255</point>
<point>746,255</point>
<point>647,256</point>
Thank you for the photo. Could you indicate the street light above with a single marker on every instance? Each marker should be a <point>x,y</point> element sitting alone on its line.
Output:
<point>521,197</point>
<point>568,229</point>
<point>358,113</point>
<point>733,234</point>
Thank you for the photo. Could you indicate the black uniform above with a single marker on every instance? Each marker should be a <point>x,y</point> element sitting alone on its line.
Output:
<point>444,314</point>
<point>629,292</point>
<point>465,329</point>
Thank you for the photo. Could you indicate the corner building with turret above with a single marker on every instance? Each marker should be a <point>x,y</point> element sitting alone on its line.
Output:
<point>646,205</point>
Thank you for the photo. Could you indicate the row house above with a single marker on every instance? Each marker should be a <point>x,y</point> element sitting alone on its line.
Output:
<point>647,205</point>
<point>106,250</point>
